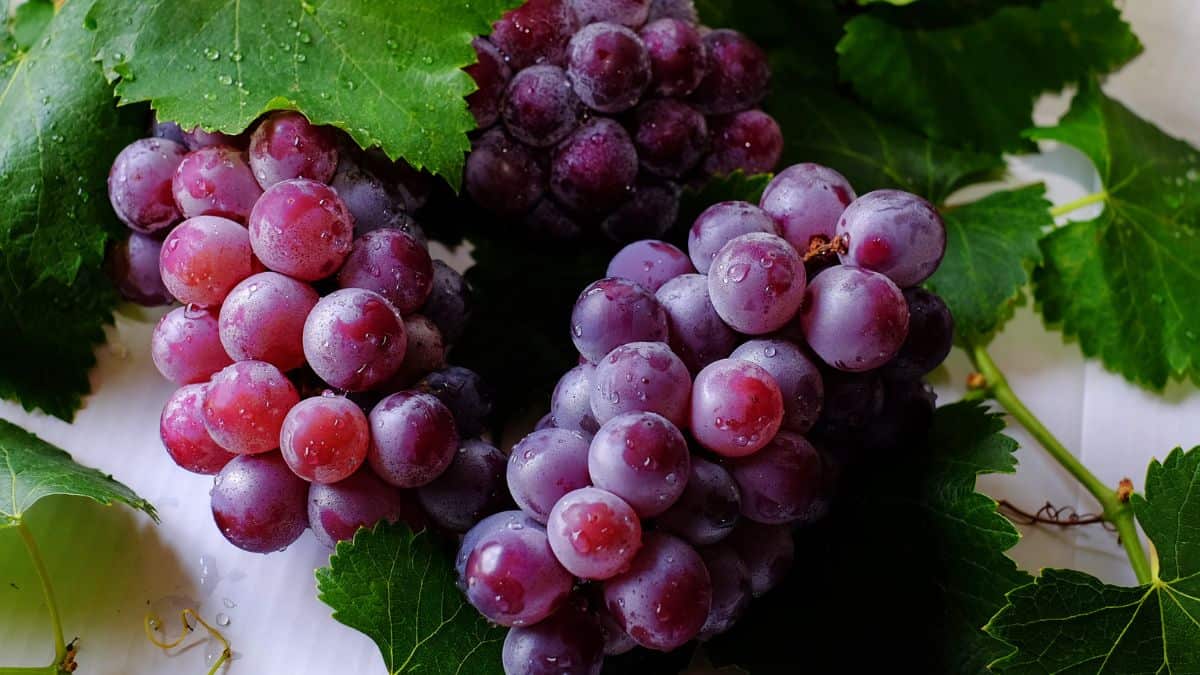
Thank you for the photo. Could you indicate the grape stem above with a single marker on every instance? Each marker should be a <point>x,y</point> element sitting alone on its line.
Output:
<point>1064,209</point>
<point>152,624</point>
<point>1114,502</point>
<point>64,655</point>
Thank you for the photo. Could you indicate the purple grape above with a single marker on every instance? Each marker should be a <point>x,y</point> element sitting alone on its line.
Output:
<point>616,640</point>
<point>894,233</point>
<point>425,352</point>
<point>263,319</point>
<point>852,401</point>
<point>204,258</point>
<point>544,422</point>
<point>186,345</point>
<point>139,184</point>
<point>798,378</point>
<point>678,57</point>
<point>649,263</point>
<point>736,407</point>
<point>631,13</point>
<point>502,175</point>
<point>324,439</point>
<point>697,333</point>
<point>536,32</point>
<point>571,402</point>
<point>767,551</point>
<point>738,74</point>
<point>612,312</point>
<point>670,137</point>
<point>684,10</point>
<point>854,319</point>
<point>756,283</point>
<point>594,169</point>
<point>539,107</point>
<point>337,510</point>
<point>215,181</point>
<point>449,302</point>
<point>513,578</point>
<point>609,67</point>
<point>930,336</point>
<point>373,204</point>
<point>806,201</point>
<point>198,139</point>
<point>665,597</point>
<point>709,508</point>
<point>544,466</point>
<point>285,146</point>
<point>133,267</point>
<point>505,519</point>
<point>641,377</point>
<point>465,393</point>
<point>642,458</point>
<point>184,435</point>
<point>550,221</point>
<point>169,131</point>
<point>649,212</point>
<point>302,228</point>
<point>490,73</point>
<point>393,264</point>
<point>245,405</point>
<point>721,223</point>
<point>569,642</point>
<point>259,504</point>
<point>354,339</point>
<point>594,533</point>
<point>470,488</point>
<point>749,141</point>
<point>413,439</point>
<point>782,483</point>
<point>731,591</point>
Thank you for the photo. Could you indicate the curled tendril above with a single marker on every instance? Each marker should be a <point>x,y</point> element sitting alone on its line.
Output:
<point>153,624</point>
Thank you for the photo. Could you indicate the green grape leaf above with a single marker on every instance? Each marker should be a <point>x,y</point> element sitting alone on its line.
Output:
<point>1068,621</point>
<point>31,469</point>
<point>991,247</point>
<point>29,21</point>
<point>970,78</point>
<point>908,537</point>
<point>398,588</point>
<point>389,73</point>
<point>1123,282</point>
<point>61,132</point>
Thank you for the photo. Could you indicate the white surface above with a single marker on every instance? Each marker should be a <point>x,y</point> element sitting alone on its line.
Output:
<point>110,565</point>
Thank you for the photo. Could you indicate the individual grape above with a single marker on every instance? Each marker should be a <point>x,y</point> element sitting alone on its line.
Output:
<point>449,302</point>
<point>678,57</point>
<point>767,551</point>
<point>642,458</point>
<point>324,439</point>
<point>697,333</point>
<point>215,181</point>
<point>895,233</point>
<point>245,406</point>
<point>854,319</point>
<point>184,435</point>
<point>465,393</point>
<point>649,213</point>
<point>852,400</point>
<point>413,439</point>
<point>798,378</point>
<point>469,489</point>
<point>665,597</point>
<point>337,510</point>
<point>259,504</point>
<point>738,74</point>
<point>392,263</point>
<point>536,32</point>
<point>286,146</point>
<point>263,319</point>
<point>515,519</point>
<point>709,508</point>
<point>133,267</point>
<point>571,402</point>
<point>490,73</point>
<point>670,137</point>
<point>550,221</point>
<point>736,407</point>
<point>169,131</point>
<point>513,578</point>
<point>782,483</point>
<point>416,185</point>
<point>594,533</point>
<point>203,258</point>
<point>721,223</point>
<point>630,13</point>
<point>731,591</point>
<point>139,184</point>
<point>649,263</point>
<point>186,345</point>
<point>301,228</point>
<point>930,336</point>
<point>684,10</point>
<point>749,141</point>
<point>544,422</point>
<point>503,176</point>
<point>569,642</point>
<point>544,466</point>
<point>373,204</point>
<point>425,353</point>
<point>641,377</point>
<point>594,169</point>
<point>806,200</point>
<point>756,283</point>
<point>612,312</point>
<point>540,108</point>
<point>616,640</point>
<point>354,339</point>
<point>198,139</point>
<point>609,67</point>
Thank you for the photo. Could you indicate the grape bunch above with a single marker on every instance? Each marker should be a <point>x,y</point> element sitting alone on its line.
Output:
<point>310,341</point>
<point>592,113</point>
<point>718,396</point>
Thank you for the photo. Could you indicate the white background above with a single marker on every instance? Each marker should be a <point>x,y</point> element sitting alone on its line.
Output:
<point>111,565</point>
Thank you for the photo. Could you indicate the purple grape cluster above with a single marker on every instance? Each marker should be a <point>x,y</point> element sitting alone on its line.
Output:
<point>311,338</point>
<point>719,394</point>
<point>592,113</point>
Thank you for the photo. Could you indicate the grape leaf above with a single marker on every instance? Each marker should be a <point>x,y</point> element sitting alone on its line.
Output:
<point>1068,621</point>
<point>910,540</point>
<point>29,21</point>
<point>1123,282</point>
<point>398,588</point>
<point>991,247</point>
<point>33,469</point>
<point>61,132</point>
<point>389,73</point>
<point>973,82</point>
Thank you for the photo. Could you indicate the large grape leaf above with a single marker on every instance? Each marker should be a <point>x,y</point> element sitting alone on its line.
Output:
<point>1070,622</point>
<point>61,130</point>
<point>389,73</point>
<point>398,588</point>
<point>1125,282</point>
<point>969,77</point>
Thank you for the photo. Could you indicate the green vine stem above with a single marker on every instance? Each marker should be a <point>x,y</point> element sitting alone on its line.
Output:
<point>1116,510</point>
<point>1064,209</point>
<point>60,645</point>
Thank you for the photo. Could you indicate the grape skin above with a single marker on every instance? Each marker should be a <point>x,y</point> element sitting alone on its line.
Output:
<point>641,376</point>
<point>738,74</point>
<point>854,319</point>
<point>465,393</point>
<point>678,57</point>
<point>470,488</point>
<point>543,467</point>
<point>513,578</point>
<point>263,319</point>
<point>684,10</point>
<point>502,175</point>
<point>392,263</point>
<point>301,228</point>
<point>449,302</point>
<point>593,169</point>
<point>709,508</point>
<point>198,139</point>
<point>540,108</point>
<point>670,137</point>
<point>612,312</point>
<point>571,403</point>
<point>413,439</point>
<point>372,203</point>
<point>895,233</point>
<point>736,407</point>
<point>697,333</point>
<point>569,642</point>
<point>665,597</point>
<point>215,181</point>
<point>756,283</point>
<point>504,519</point>
<point>425,352</point>
<point>286,146</point>
<point>731,591</point>
<point>536,32</point>
<point>259,504</point>
<point>806,201</point>
<point>324,439</point>
<point>203,258</point>
<point>782,483</point>
<point>337,510</point>
<point>629,13</point>
<point>749,141</point>
<point>798,378</point>
<point>186,345</point>
<point>649,212</point>
<point>139,184</point>
<point>593,533</point>
<point>354,339</point>
<point>609,67</point>
<point>184,435</point>
<point>132,265</point>
<point>649,263</point>
<point>642,458</point>
<point>721,223</point>
<point>930,336</point>
<point>245,405</point>
<point>490,73</point>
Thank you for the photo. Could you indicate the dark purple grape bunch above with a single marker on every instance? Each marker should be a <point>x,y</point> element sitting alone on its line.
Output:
<point>717,394</point>
<point>310,344</point>
<point>592,113</point>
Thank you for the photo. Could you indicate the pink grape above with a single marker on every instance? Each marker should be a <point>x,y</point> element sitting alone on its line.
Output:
<point>198,138</point>
<point>259,504</point>
<point>204,258</point>
<point>697,333</point>
<point>749,141</point>
<point>767,551</point>
<point>756,283</point>
<point>245,405</point>
<point>594,533</point>
<point>895,233</point>
<point>470,488</point>
<point>649,263</point>
<point>731,592</point>
<point>184,435</point>
<point>536,32</point>
<point>631,13</point>
<point>132,265</point>
<point>286,146</point>
<point>642,458</point>
<point>569,642</point>
<point>782,483</point>
<point>544,466</point>
<point>513,578</point>
<point>514,519</point>
<point>354,339</point>
<point>609,67</point>
<point>641,376</point>
<point>186,345</point>
<point>709,508</point>
<point>806,201</point>
<point>616,640</point>
<point>337,510</point>
<point>301,228</point>
<point>413,439</point>
<point>737,408</point>
<point>854,319</point>
<point>263,319</point>
<point>215,181</point>
<point>721,223</point>
<point>798,378</point>
<point>139,184</point>
<point>612,312</point>
<point>571,403</point>
<point>665,597</point>
<point>490,73</point>
<point>392,263</point>
<point>324,439</point>
<point>678,57</point>
<point>738,74</point>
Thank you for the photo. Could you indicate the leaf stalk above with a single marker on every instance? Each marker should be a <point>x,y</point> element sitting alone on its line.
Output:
<point>1064,209</point>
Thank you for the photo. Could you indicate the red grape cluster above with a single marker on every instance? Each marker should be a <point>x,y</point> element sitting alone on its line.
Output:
<point>593,113</point>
